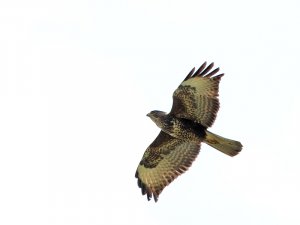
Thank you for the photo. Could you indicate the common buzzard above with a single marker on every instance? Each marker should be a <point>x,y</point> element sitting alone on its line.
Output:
<point>195,107</point>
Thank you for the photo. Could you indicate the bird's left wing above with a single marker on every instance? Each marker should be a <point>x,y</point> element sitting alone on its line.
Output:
<point>196,98</point>
<point>164,160</point>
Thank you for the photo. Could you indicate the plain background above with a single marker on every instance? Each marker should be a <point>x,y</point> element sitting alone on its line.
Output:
<point>77,79</point>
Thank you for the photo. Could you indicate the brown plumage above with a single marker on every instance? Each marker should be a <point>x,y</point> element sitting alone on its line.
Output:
<point>195,107</point>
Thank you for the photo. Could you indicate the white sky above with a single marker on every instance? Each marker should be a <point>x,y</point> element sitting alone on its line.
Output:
<point>77,79</point>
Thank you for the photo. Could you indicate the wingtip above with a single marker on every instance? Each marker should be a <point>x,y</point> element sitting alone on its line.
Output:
<point>204,72</point>
<point>145,190</point>
<point>219,76</point>
<point>155,198</point>
<point>199,71</point>
<point>213,72</point>
<point>189,74</point>
<point>149,196</point>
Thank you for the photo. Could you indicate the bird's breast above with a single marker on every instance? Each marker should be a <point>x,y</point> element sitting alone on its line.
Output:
<point>184,129</point>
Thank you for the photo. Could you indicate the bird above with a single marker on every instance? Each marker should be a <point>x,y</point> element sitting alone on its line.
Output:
<point>183,129</point>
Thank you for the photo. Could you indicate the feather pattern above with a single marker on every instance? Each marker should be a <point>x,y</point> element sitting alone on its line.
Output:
<point>164,160</point>
<point>196,98</point>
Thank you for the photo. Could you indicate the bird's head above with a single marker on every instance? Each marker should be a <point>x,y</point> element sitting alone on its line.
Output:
<point>157,117</point>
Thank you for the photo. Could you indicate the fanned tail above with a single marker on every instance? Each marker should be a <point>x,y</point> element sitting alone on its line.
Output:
<point>225,145</point>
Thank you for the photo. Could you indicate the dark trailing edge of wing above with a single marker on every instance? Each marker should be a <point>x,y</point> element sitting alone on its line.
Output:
<point>204,72</point>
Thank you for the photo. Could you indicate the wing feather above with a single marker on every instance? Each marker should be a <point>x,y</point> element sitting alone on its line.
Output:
<point>199,71</point>
<point>164,160</point>
<point>196,98</point>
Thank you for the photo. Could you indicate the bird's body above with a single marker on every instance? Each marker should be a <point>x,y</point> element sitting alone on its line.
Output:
<point>180,128</point>
<point>195,106</point>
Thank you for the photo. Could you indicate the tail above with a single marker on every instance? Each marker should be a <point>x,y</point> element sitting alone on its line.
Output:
<point>227,146</point>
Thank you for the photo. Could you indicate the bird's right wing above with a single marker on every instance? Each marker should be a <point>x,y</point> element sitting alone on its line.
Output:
<point>164,160</point>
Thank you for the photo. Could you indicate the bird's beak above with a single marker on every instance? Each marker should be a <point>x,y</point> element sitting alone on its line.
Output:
<point>148,114</point>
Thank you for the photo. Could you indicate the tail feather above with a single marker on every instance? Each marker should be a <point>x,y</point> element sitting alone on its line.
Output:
<point>225,145</point>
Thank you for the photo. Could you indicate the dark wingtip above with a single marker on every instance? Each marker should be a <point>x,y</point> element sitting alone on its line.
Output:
<point>213,72</point>
<point>201,68</point>
<point>190,74</point>
<point>207,69</point>
<point>149,196</point>
<point>204,71</point>
<point>144,189</point>
<point>219,76</point>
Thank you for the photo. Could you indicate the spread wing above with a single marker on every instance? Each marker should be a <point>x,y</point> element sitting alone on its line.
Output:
<point>164,160</point>
<point>196,98</point>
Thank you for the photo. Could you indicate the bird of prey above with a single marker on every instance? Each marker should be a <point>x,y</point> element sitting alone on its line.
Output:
<point>194,109</point>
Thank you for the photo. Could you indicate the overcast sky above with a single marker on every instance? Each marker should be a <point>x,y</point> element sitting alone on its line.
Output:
<point>77,79</point>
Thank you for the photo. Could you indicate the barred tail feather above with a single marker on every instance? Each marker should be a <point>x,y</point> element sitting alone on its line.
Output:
<point>225,145</point>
